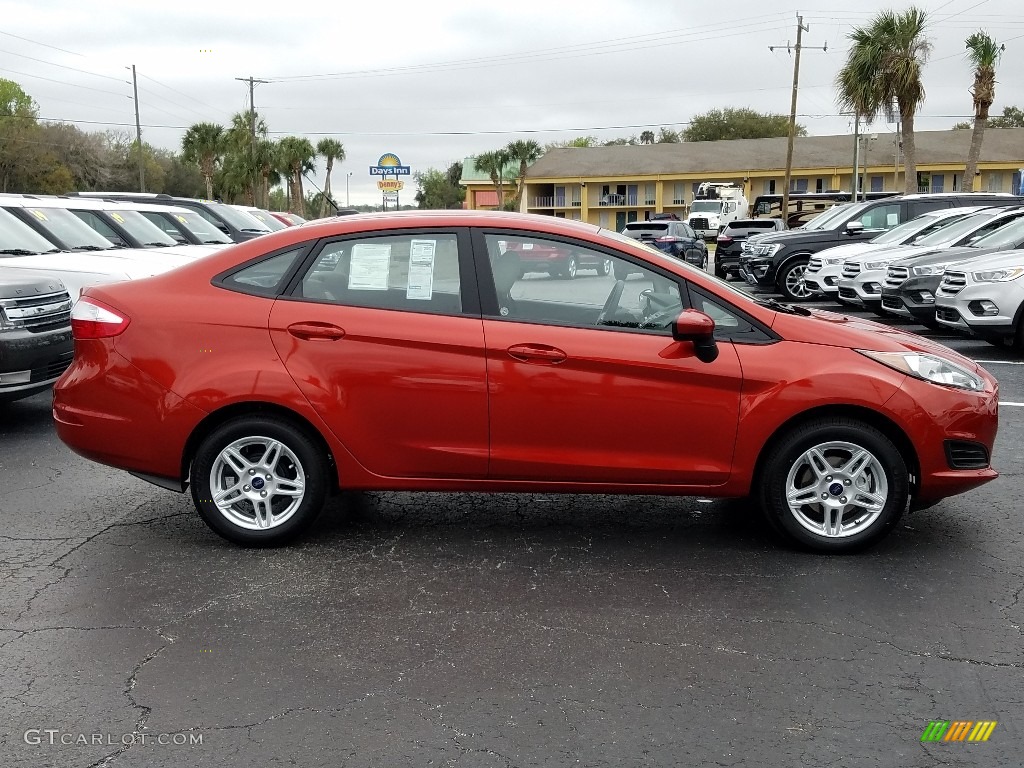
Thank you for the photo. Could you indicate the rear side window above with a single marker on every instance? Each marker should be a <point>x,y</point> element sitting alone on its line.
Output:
<point>266,277</point>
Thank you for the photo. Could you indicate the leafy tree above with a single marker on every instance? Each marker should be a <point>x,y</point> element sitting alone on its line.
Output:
<point>524,152</point>
<point>18,126</point>
<point>435,189</point>
<point>579,141</point>
<point>268,161</point>
<point>983,53</point>
<point>331,150</point>
<point>961,126</point>
<point>493,164</point>
<point>647,137</point>
<point>738,123</point>
<point>668,136</point>
<point>620,142</point>
<point>297,154</point>
<point>204,144</point>
<point>1012,117</point>
<point>883,74</point>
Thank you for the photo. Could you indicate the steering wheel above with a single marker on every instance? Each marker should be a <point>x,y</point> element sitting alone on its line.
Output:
<point>612,302</point>
<point>670,307</point>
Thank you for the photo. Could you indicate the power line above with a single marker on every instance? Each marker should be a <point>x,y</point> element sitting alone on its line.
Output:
<point>61,82</point>
<point>45,45</point>
<point>65,66</point>
<point>180,93</point>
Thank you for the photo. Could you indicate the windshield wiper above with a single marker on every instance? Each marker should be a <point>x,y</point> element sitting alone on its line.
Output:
<point>254,229</point>
<point>89,248</point>
<point>157,245</point>
<point>778,306</point>
<point>19,252</point>
<point>214,242</point>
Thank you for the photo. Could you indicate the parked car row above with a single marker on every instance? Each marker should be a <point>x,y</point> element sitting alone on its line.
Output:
<point>52,247</point>
<point>948,267</point>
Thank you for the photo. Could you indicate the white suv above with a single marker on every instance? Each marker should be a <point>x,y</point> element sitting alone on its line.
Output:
<point>985,297</point>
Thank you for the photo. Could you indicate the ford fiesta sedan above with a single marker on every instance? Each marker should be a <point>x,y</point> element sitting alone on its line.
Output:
<point>409,351</point>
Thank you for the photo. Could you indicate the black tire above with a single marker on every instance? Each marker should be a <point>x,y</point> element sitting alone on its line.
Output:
<point>788,275</point>
<point>570,269</point>
<point>784,454</point>
<point>312,462</point>
<point>719,272</point>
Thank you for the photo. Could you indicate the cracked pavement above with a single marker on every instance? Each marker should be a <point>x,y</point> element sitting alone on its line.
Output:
<point>465,630</point>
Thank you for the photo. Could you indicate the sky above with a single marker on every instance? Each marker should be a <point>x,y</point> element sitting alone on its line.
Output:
<point>437,81</point>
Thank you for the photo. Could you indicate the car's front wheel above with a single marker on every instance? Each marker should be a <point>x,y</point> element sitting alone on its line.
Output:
<point>604,267</point>
<point>791,281</point>
<point>834,485</point>
<point>259,481</point>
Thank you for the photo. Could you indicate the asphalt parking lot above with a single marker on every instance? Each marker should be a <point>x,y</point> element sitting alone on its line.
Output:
<point>463,630</point>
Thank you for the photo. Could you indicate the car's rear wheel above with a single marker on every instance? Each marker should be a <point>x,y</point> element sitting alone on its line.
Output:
<point>259,481</point>
<point>604,267</point>
<point>570,268</point>
<point>834,485</point>
<point>791,281</point>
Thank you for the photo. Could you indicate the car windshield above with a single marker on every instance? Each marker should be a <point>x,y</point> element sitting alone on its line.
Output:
<point>908,230</point>
<point>70,230</point>
<point>17,236</point>
<point>1009,236</point>
<point>142,230</point>
<point>192,222</point>
<point>838,215</point>
<point>703,206</point>
<point>240,220</point>
<point>266,219</point>
<point>957,230</point>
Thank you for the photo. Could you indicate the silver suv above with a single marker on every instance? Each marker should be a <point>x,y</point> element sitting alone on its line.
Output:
<point>985,297</point>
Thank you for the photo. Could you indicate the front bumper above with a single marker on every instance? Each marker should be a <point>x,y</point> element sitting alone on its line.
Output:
<point>757,270</point>
<point>914,298</point>
<point>825,280</point>
<point>964,311</point>
<point>864,289</point>
<point>32,362</point>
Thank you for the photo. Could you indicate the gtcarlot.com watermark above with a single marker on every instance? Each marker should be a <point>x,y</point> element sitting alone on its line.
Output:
<point>55,736</point>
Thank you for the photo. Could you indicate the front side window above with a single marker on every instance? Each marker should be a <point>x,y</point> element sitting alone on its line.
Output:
<point>566,283</point>
<point>881,217</point>
<point>415,273</point>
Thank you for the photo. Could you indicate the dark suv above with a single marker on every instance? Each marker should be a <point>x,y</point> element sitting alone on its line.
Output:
<point>731,239</point>
<point>236,224</point>
<point>35,332</point>
<point>780,260</point>
<point>676,238</point>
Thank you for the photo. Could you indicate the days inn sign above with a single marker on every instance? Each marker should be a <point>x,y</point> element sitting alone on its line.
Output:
<point>389,165</point>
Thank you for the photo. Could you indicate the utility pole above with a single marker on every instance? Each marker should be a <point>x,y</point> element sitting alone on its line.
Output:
<point>800,29</point>
<point>856,157</point>
<point>138,133</point>
<point>252,127</point>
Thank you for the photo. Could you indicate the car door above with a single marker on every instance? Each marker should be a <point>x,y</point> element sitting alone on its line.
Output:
<point>582,390</point>
<point>383,336</point>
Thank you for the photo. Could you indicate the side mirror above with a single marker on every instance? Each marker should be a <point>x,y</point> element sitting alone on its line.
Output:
<point>695,326</point>
<point>853,227</point>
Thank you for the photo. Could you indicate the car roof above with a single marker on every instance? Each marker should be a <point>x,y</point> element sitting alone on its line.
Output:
<point>460,218</point>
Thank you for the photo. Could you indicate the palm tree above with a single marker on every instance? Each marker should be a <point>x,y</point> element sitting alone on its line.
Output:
<point>297,156</point>
<point>240,145</point>
<point>493,164</point>
<point>266,158</point>
<point>983,53</point>
<point>331,150</point>
<point>647,137</point>
<point>203,144</point>
<point>525,152</point>
<point>883,74</point>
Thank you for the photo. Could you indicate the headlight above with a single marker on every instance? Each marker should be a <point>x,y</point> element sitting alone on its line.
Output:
<point>931,269</point>
<point>769,250</point>
<point>875,264</point>
<point>931,368</point>
<point>835,260</point>
<point>998,275</point>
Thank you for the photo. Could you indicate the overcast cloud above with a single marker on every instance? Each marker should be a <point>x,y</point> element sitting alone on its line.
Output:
<point>563,69</point>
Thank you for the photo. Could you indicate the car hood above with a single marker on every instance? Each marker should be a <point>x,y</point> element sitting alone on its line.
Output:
<point>850,250</point>
<point>130,263</point>
<point>800,237</point>
<point>19,283</point>
<point>996,260</point>
<point>858,333</point>
<point>941,255</point>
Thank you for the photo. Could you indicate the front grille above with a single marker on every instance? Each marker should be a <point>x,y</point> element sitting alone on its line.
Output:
<point>892,302</point>
<point>964,454</point>
<point>896,276</point>
<point>851,269</point>
<point>814,265</point>
<point>848,293</point>
<point>53,369</point>
<point>952,283</point>
<point>948,314</point>
<point>699,223</point>
<point>45,312</point>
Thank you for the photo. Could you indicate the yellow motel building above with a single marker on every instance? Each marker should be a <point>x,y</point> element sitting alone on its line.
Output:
<point>611,186</point>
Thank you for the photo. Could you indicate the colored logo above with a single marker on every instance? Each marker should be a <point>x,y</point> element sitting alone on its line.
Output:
<point>958,730</point>
<point>390,185</point>
<point>389,165</point>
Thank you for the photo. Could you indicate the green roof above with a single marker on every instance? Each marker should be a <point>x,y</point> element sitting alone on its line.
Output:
<point>473,175</point>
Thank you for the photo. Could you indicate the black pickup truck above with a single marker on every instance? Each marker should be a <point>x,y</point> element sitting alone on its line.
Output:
<point>780,260</point>
<point>35,332</point>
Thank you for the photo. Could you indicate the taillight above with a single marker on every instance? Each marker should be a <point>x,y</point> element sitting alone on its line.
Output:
<point>668,239</point>
<point>725,239</point>
<point>92,320</point>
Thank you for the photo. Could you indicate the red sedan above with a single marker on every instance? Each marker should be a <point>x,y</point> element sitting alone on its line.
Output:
<point>407,351</point>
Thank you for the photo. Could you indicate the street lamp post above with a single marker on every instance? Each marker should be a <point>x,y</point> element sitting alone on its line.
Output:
<point>347,177</point>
